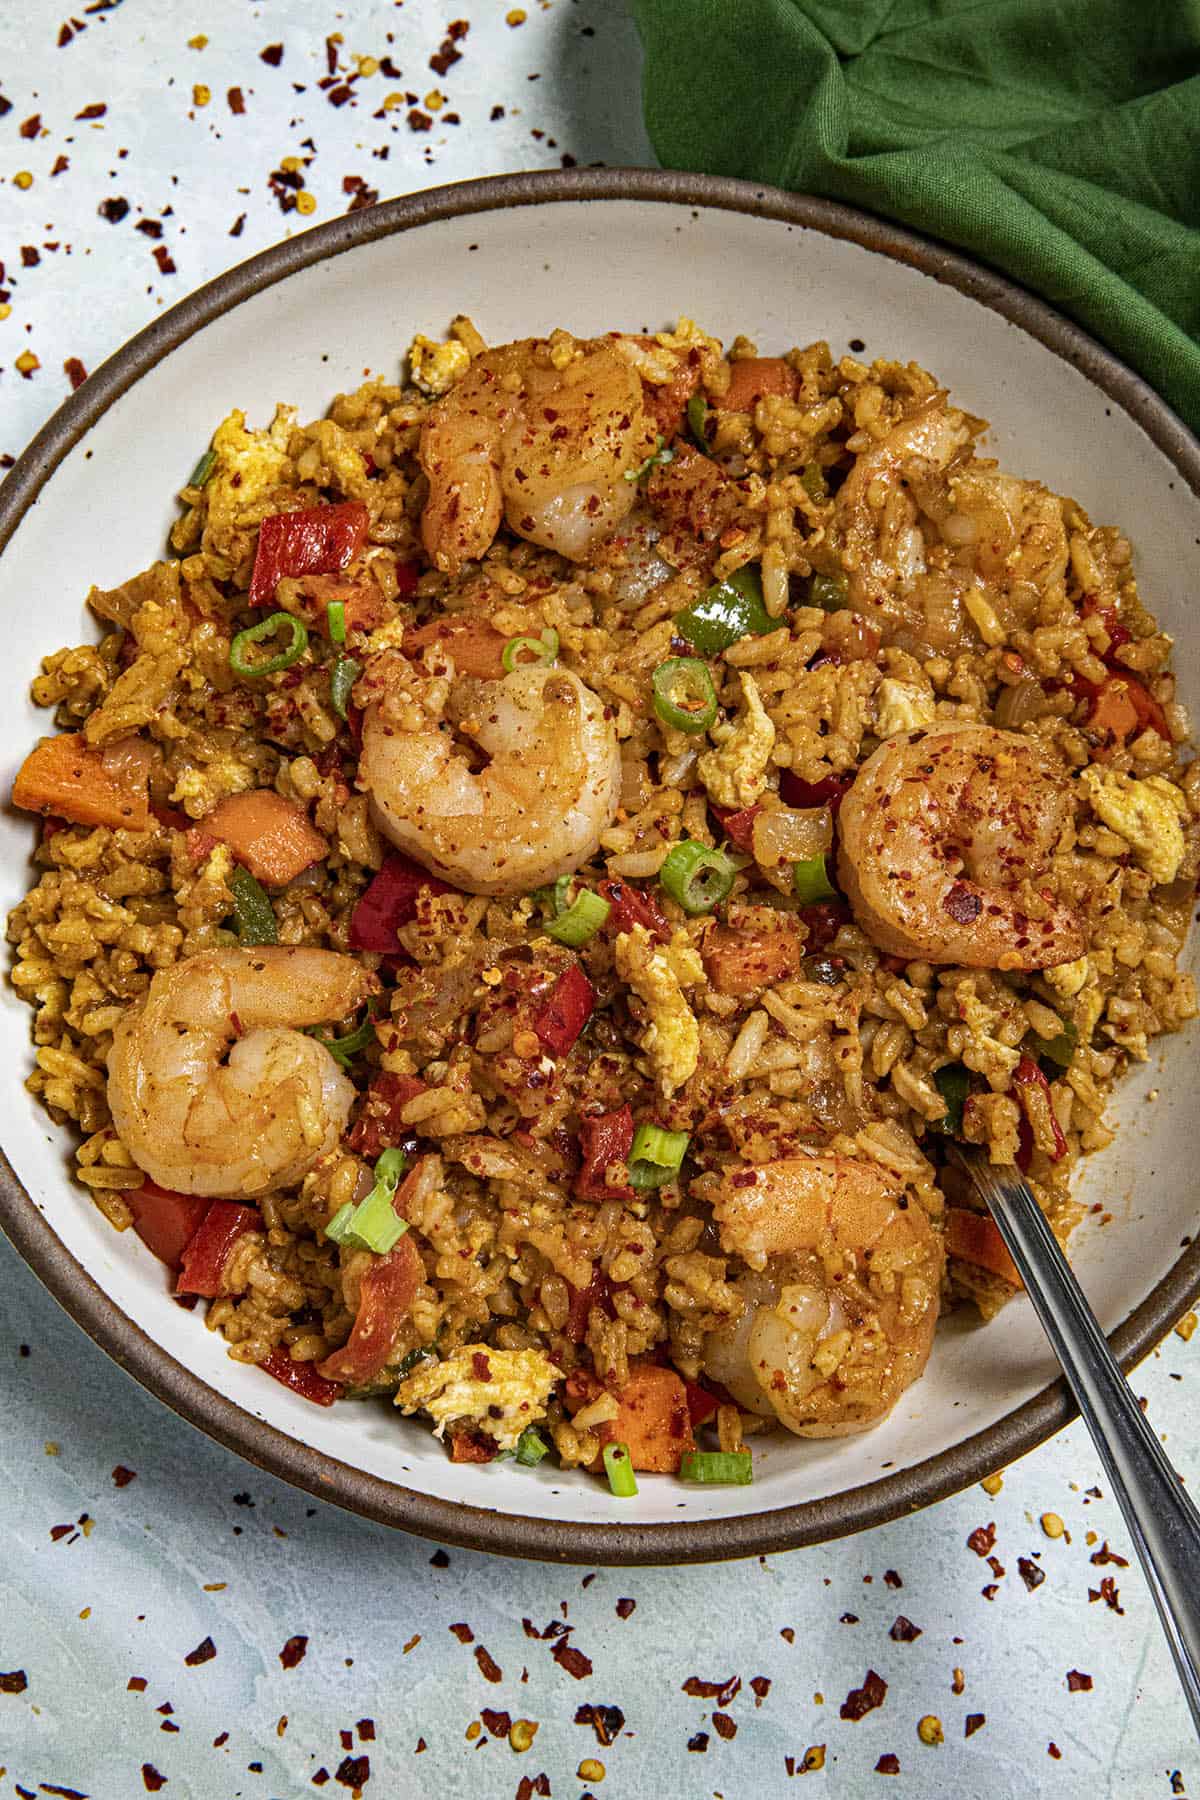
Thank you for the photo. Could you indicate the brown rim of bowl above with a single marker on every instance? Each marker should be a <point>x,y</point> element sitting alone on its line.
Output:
<point>707,1540</point>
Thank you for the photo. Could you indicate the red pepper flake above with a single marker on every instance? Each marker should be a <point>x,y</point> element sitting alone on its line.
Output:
<point>58,1532</point>
<point>237,100</point>
<point>366,1731</point>
<point>14,1682</point>
<point>136,1684</point>
<point>75,372</point>
<point>293,1651</point>
<point>489,1668</point>
<point>238,226</point>
<point>29,256</point>
<point>724,1726</point>
<point>982,1539</point>
<point>624,1607</point>
<point>498,1723</point>
<point>862,1700</point>
<point>61,165</point>
<point>1105,1555</point>
<point>273,54</point>
<point>1078,1682</point>
<point>204,1652</point>
<point>698,1744</point>
<point>606,1721</point>
<point>362,195</point>
<point>787,1634</point>
<point>888,1764</point>
<point>321,1777</point>
<point>848,1618</point>
<point>96,110</point>
<point>1109,1592</point>
<point>572,1660</point>
<point>973,1723</point>
<point>152,1781</point>
<point>762,1687</point>
<point>529,1785</point>
<point>113,209</point>
<point>122,1476</point>
<point>353,1772</point>
<point>65,34</point>
<point>962,905</point>
<point>418,121</point>
<point>1054,1751</point>
<point>481,1368</point>
<point>421,1745</point>
<point>463,1633</point>
<point>891,1579</point>
<point>163,258</point>
<point>30,127</point>
<point>720,1691</point>
<point>1030,1572</point>
<point>439,1560</point>
<point>904,1631</point>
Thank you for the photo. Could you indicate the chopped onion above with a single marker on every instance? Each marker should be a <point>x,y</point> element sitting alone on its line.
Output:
<point>791,834</point>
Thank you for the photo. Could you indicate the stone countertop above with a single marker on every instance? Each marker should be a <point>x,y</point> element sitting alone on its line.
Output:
<point>172,1619</point>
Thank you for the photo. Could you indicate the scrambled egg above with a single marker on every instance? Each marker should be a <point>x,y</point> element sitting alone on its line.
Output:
<point>902,707</point>
<point>1068,978</point>
<point>199,789</point>
<point>498,1391</point>
<point>1145,813</point>
<point>736,773</point>
<point>436,367</point>
<point>659,974</point>
<point>250,468</point>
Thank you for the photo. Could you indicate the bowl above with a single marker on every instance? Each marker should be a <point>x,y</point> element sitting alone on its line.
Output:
<point>91,500</point>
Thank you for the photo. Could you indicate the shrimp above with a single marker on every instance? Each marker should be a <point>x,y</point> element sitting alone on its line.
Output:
<point>540,434</point>
<point>840,1305</point>
<point>880,502</point>
<point>213,1086</point>
<point>536,811</point>
<point>942,838</point>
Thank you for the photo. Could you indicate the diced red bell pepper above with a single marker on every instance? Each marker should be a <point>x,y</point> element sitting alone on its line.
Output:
<point>316,540</point>
<point>830,791</point>
<point>738,826</point>
<point>165,1221</point>
<point>1121,706</point>
<point>407,576</point>
<point>630,906</point>
<point>824,920</point>
<point>203,1262</point>
<point>604,1138</point>
<point>566,1012</point>
<point>379,1125</point>
<point>1028,1076</point>
<point>701,1404</point>
<point>385,1295</point>
<point>301,1377</point>
<point>390,902</point>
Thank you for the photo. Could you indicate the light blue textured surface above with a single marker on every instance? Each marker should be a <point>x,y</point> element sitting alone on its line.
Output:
<point>134,1589</point>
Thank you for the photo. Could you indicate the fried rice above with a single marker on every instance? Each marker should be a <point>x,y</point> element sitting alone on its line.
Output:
<point>556,1288</point>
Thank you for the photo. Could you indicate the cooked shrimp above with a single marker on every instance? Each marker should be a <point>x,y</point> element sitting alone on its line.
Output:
<point>881,500</point>
<point>536,811</point>
<point>943,836</point>
<point>213,1085</point>
<point>839,1313</point>
<point>540,434</point>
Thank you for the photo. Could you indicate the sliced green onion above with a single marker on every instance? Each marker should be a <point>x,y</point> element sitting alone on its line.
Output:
<point>530,652</point>
<point>553,897</point>
<point>619,1470</point>
<point>376,1225</point>
<point>684,695</point>
<point>697,413</point>
<point>1058,1050</point>
<point>812,480</point>
<point>342,678</point>
<point>345,1049</point>
<point>531,1447</point>
<point>953,1084</point>
<point>340,1223</point>
<point>731,610</point>
<point>657,458</point>
<point>581,921</point>
<point>335,618</point>
<point>830,592</point>
<point>810,881</point>
<point>253,913</point>
<point>203,469</point>
<point>254,634</point>
<point>652,1143</point>
<point>697,877</point>
<point>408,1363</point>
<point>735,1466</point>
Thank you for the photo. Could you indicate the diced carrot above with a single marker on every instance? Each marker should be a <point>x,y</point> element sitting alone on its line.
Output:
<point>66,776</point>
<point>654,1420</point>
<point>740,962</point>
<point>753,377</point>
<point>1114,711</point>
<point>268,835</point>
<point>976,1238</point>
<point>476,646</point>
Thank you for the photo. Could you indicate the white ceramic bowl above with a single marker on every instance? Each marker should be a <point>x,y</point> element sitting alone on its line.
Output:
<point>92,500</point>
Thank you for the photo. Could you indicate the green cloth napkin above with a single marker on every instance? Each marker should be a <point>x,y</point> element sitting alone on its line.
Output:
<point>1058,140</point>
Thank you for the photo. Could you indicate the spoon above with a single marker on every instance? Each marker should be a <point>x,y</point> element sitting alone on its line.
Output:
<point>1162,1521</point>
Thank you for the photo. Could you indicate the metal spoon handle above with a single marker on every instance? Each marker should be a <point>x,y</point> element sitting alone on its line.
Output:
<point>1162,1521</point>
